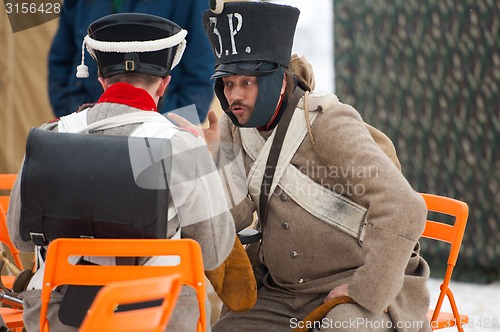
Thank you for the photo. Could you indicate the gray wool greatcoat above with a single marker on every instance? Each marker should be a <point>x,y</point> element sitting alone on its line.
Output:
<point>215,235</point>
<point>304,258</point>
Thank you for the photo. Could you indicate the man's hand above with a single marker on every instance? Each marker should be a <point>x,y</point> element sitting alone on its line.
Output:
<point>210,134</point>
<point>340,290</point>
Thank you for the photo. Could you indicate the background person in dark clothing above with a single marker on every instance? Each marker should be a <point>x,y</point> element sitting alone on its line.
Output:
<point>190,83</point>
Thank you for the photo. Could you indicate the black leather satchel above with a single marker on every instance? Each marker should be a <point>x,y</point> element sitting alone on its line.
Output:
<point>81,185</point>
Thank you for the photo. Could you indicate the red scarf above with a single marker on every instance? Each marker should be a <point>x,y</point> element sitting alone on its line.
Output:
<point>127,94</point>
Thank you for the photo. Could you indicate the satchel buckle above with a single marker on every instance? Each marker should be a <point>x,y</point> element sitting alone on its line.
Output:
<point>38,238</point>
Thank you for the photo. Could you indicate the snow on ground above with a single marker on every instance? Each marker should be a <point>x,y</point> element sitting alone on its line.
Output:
<point>480,301</point>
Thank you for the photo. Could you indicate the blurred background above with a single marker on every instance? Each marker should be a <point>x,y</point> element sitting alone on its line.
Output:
<point>427,73</point>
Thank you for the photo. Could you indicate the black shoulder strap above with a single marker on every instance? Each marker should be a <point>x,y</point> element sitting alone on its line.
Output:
<point>274,153</point>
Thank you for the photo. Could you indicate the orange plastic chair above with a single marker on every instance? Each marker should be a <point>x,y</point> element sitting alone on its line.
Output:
<point>8,280</point>
<point>58,271</point>
<point>6,184</point>
<point>13,318</point>
<point>102,315</point>
<point>453,235</point>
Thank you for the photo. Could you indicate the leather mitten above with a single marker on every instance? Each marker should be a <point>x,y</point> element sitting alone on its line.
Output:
<point>234,280</point>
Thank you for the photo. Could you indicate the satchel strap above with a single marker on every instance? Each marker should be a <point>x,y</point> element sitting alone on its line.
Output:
<point>77,122</point>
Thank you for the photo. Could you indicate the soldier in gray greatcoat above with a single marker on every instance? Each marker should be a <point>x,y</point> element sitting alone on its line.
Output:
<point>337,216</point>
<point>135,53</point>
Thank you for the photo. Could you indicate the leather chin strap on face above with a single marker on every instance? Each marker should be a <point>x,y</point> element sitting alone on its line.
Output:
<point>266,102</point>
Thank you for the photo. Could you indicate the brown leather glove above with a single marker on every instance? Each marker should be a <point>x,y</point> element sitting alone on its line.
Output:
<point>320,312</point>
<point>234,280</point>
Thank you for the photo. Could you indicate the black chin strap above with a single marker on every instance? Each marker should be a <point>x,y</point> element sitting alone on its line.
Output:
<point>274,153</point>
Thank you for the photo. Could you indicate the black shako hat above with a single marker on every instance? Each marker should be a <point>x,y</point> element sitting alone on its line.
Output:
<point>250,32</point>
<point>133,43</point>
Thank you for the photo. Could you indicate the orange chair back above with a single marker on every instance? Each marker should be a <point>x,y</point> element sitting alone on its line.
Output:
<point>13,319</point>
<point>453,235</point>
<point>5,239</point>
<point>102,315</point>
<point>6,184</point>
<point>58,270</point>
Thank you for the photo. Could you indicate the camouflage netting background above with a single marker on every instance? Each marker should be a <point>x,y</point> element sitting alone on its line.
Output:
<point>427,73</point>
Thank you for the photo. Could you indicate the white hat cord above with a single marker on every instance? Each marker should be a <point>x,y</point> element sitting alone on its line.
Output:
<point>132,46</point>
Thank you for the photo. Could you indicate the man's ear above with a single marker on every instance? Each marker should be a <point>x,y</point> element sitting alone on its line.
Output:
<point>163,85</point>
<point>104,83</point>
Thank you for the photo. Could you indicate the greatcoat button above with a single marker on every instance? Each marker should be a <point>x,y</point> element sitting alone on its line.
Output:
<point>293,254</point>
<point>284,197</point>
<point>285,225</point>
